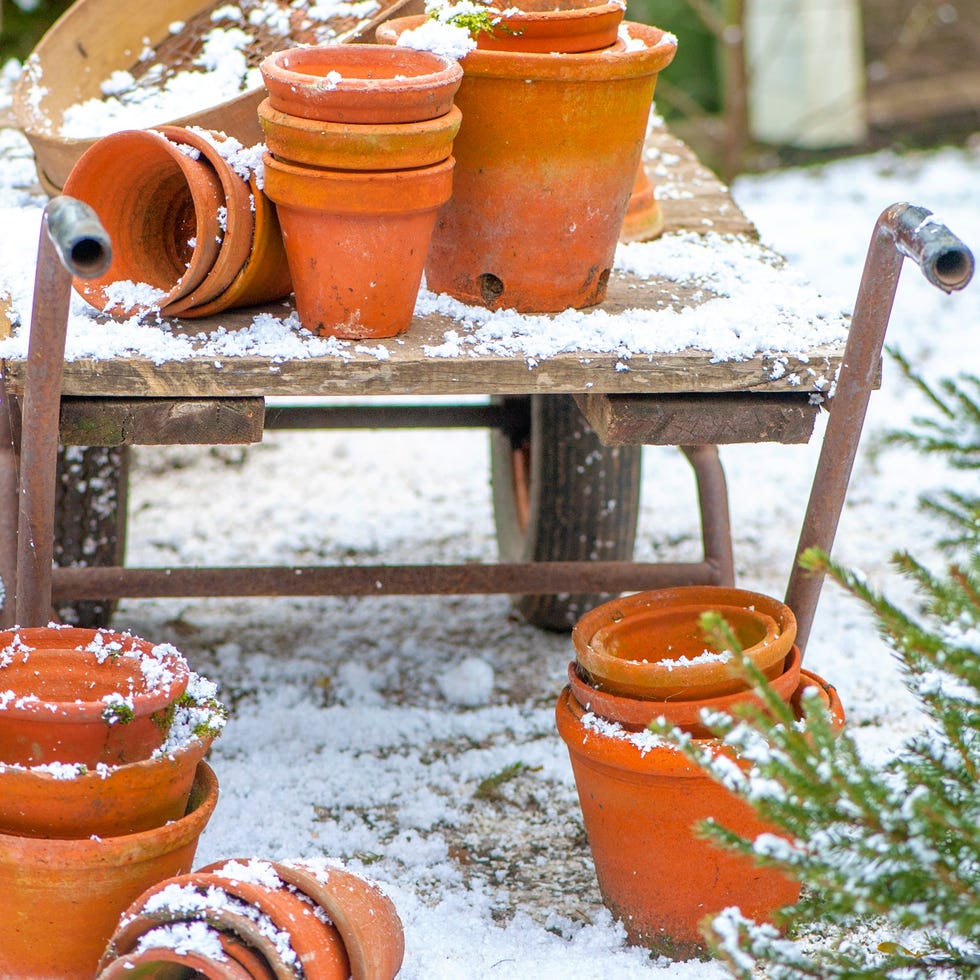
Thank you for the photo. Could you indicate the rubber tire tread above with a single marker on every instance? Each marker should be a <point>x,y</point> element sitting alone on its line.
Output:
<point>90,520</point>
<point>572,477</point>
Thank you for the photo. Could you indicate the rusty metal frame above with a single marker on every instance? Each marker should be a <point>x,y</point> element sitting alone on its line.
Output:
<point>71,244</point>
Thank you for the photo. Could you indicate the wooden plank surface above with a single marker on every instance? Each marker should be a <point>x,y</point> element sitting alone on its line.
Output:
<point>692,199</point>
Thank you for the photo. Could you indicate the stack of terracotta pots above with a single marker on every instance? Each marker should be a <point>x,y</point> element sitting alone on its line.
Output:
<point>192,232</point>
<point>244,919</point>
<point>103,787</point>
<point>641,658</point>
<point>555,106</point>
<point>360,139</point>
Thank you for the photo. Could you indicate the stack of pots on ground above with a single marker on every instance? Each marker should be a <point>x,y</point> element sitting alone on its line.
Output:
<point>192,232</point>
<point>641,658</point>
<point>103,788</point>
<point>555,108</point>
<point>359,160</point>
<point>257,919</point>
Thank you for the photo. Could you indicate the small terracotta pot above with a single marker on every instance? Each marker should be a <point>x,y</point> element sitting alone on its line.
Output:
<point>264,277</point>
<point>361,83</point>
<point>637,713</point>
<point>364,916</point>
<point>544,28</point>
<point>161,962</point>
<point>160,208</point>
<point>59,685</point>
<point>634,645</point>
<point>644,219</point>
<point>536,211</point>
<point>109,802</point>
<point>62,898</point>
<point>356,242</point>
<point>640,800</point>
<point>358,146</point>
<point>238,224</point>
<point>661,653</point>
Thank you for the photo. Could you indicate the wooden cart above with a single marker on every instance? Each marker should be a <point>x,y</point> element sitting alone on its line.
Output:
<point>566,432</point>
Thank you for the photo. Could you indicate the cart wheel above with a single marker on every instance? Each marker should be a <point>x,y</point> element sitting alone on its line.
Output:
<point>90,519</point>
<point>560,495</point>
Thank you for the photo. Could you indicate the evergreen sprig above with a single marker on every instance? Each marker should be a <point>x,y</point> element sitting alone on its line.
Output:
<point>892,848</point>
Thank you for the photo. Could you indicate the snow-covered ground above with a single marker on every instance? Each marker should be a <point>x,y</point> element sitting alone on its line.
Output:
<point>360,729</point>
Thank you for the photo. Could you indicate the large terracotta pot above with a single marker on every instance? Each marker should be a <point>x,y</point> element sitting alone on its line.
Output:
<point>62,898</point>
<point>651,644</point>
<point>640,800</point>
<point>547,155</point>
<point>356,242</point>
<point>358,146</point>
<point>84,696</point>
<point>361,83</point>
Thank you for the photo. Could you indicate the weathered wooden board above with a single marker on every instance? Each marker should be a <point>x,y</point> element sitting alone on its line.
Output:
<point>161,421</point>
<point>687,420</point>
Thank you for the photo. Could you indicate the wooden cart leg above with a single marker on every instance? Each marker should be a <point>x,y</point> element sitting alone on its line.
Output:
<point>902,230</point>
<point>72,242</point>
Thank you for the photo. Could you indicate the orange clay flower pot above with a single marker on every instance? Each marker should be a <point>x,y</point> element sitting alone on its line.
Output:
<point>636,714</point>
<point>237,219</point>
<point>84,696</point>
<point>62,898</point>
<point>651,644</point>
<point>640,800</point>
<point>361,83</point>
<point>106,802</point>
<point>543,27</point>
<point>356,242</point>
<point>547,155</point>
<point>358,146</point>
<point>160,208</point>
<point>644,219</point>
<point>160,961</point>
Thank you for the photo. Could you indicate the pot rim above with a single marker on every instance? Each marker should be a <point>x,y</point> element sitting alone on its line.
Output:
<point>605,64</point>
<point>74,711</point>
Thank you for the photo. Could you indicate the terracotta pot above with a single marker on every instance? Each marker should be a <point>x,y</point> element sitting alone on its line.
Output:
<point>62,693</point>
<point>358,146</point>
<point>315,946</point>
<point>238,221</point>
<point>160,208</point>
<point>62,898</point>
<point>622,644</point>
<point>661,653</point>
<point>544,28</point>
<point>185,899</point>
<point>640,799</point>
<point>536,211</point>
<point>361,83</point>
<point>364,916</point>
<point>104,802</point>
<point>644,219</point>
<point>161,963</point>
<point>356,242</point>
<point>264,277</point>
<point>637,713</point>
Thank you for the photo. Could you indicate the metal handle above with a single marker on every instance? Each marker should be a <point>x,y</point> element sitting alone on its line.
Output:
<point>81,242</point>
<point>901,230</point>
